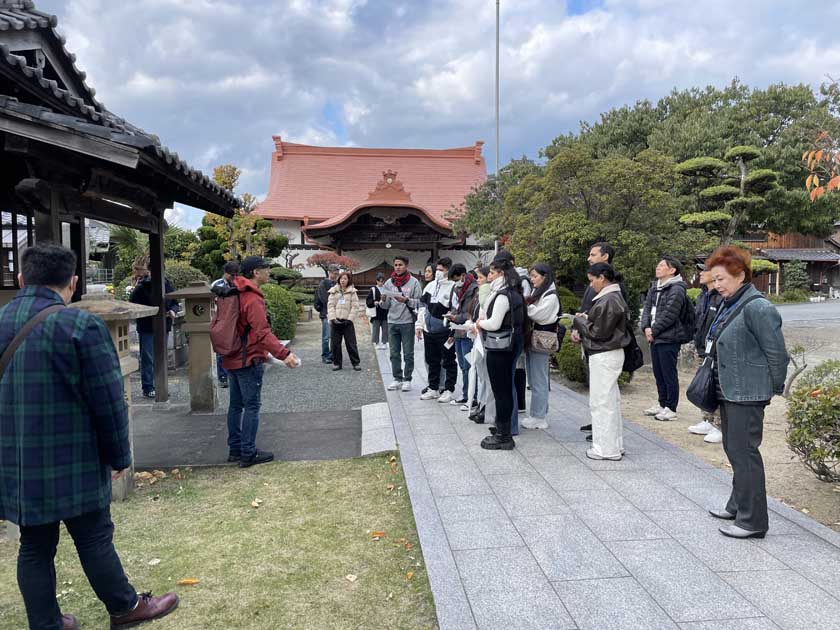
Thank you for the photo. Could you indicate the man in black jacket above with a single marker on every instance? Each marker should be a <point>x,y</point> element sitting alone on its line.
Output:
<point>705,311</point>
<point>142,294</point>
<point>662,323</point>
<point>321,297</point>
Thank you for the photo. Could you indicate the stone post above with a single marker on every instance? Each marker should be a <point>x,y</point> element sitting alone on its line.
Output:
<point>198,312</point>
<point>117,315</point>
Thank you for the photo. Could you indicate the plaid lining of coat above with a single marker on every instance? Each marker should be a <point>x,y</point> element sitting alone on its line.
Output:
<point>63,413</point>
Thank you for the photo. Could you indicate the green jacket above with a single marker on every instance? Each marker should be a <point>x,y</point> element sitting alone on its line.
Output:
<point>63,414</point>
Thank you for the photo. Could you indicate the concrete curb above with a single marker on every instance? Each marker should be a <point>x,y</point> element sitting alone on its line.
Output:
<point>377,429</point>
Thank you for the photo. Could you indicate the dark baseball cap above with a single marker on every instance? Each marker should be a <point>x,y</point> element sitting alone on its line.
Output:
<point>252,263</point>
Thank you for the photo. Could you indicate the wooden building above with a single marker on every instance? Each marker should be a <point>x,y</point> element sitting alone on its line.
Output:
<point>64,158</point>
<point>372,204</point>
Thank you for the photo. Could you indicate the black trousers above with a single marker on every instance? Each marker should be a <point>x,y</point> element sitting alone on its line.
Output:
<point>437,356</point>
<point>519,380</point>
<point>743,427</point>
<point>346,331</point>
<point>664,356</point>
<point>93,534</point>
<point>500,369</point>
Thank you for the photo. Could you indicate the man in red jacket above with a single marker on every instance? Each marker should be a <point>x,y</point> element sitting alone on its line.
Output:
<point>245,376</point>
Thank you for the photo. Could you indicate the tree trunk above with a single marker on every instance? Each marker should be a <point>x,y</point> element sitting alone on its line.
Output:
<point>737,217</point>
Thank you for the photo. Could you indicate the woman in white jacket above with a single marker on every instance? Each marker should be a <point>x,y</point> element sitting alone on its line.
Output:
<point>543,308</point>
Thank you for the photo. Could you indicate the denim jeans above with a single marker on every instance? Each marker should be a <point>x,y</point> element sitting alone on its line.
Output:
<point>379,331</point>
<point>538,377</point>
<point>220,371</point>
<point>401,337</point>
<point>326,354</point>
<point>463,346</point>
<point>93,535</point>
<point>147,360</point>
<point>244,409</point>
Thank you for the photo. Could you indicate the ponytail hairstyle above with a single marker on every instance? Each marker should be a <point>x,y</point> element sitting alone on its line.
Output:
<point>606,270</point>
<point>503,264</point>
<point>548,279</point>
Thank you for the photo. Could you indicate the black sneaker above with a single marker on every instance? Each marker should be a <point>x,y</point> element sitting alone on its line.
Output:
<point>234,456</point>
<point>260,457</point>
<point>498,443</point>
<point>478,418</point>
<point>586,428</point>
<point>149,394</point>
<point>223,383</point>
<point>357,368</point>
<point>589,438</point>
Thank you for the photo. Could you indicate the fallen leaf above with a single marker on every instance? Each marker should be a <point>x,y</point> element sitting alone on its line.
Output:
<point>377,535</point>
<point>350,577</point>
<point>390,596</point>
<point>394,467</point>
<point>390,487</point>
<point>159,474</point>
<point>153,481</point>
<point>409,575</point>
<point>187,582</point>
<point>393,458</point>
<point>806,511</point>
<point>256,503</point>
<point>154,562</point>
<point>408,546</point>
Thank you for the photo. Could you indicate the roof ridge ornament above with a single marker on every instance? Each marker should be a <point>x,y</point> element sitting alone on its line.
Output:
<point>389,188</point>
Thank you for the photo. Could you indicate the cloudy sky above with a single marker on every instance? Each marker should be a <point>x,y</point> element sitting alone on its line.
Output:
<point>215,79</point>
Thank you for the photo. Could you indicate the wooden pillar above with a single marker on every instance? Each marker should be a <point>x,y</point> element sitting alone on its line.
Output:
<point>78,243</point>
<point>158,299</point>
<point>47,226</point>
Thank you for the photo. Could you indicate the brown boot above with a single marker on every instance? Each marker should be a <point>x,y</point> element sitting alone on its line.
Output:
<point>147,608</point>
<point>69,622</point>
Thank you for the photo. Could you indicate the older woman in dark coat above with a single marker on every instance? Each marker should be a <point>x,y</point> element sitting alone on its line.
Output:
<point>750,363</point>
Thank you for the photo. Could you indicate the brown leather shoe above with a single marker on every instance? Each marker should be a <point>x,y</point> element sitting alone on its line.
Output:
<point>69,622</point>
<point>147,608</point>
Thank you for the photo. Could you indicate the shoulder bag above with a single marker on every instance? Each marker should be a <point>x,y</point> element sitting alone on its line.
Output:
<point>702,391</point>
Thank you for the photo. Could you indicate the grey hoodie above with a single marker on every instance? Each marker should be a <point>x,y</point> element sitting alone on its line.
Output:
<point>399,313</point>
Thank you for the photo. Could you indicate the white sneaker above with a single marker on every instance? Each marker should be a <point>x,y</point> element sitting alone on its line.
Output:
<point>394,386</point>
<point>701,428</point>
<point>653,411</point>
<point>714,436</point>
<point>464,408</point>
<point>666,415</point>
<point>533,423</point>
<point>445,397</point>
<point>432,394</point>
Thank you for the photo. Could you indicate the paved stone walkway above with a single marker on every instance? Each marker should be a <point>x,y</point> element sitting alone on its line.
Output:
<point>542,537</point>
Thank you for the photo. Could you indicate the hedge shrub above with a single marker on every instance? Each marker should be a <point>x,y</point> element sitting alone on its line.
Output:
<point>570,362</point>
<point>693,293</point>
<point>282,310</point>
<point>181,274</point>
<point>791,296</point>
<point>569,303</point>
<point>283,275</point>
<point>813,431</point>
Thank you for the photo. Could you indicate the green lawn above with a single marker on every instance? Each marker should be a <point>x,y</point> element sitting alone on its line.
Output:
<point>284,564</point>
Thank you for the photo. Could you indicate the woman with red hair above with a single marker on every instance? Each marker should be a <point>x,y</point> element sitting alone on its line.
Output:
<point>749,359</point>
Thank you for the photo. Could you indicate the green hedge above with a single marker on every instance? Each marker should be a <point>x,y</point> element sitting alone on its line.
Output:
<point>693,294</point>
<point>814,417</point>
<point>282,310</point>
<point>569,303</point>
<point>791,296</point>
<point>181,274</point>
<point>570,362</point>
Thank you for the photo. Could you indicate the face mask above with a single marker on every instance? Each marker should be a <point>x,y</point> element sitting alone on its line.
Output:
<point>440,275</point>
<point>459,284</point>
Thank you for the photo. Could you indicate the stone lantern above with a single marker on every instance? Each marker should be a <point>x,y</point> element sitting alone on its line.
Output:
<point>117,315</point>
<point>198,313</point>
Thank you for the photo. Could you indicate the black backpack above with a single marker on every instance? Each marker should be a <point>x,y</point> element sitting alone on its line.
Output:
<point>688,321</point>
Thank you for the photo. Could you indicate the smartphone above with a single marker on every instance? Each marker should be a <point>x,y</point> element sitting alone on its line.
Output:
<point>449,343</point>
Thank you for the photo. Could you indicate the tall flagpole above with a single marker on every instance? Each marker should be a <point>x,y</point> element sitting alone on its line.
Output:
<point>496,244</point>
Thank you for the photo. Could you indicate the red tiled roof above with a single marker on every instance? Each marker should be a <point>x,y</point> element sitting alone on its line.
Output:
<point>324,183</point>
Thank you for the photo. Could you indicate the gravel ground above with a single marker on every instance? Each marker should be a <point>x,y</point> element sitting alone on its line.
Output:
<point>311,387</point>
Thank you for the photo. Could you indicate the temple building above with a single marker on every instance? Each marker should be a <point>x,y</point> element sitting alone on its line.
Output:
<point>372,204</point>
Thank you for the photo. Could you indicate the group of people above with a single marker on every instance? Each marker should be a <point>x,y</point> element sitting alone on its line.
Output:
<point>60,379</point>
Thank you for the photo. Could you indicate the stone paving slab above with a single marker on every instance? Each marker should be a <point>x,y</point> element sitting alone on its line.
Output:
<point>542,537</point>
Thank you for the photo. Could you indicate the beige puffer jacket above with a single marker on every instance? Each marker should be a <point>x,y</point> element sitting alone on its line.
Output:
<point>342,309</point>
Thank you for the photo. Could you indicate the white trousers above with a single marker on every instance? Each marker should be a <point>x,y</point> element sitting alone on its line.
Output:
<point>605,402</point>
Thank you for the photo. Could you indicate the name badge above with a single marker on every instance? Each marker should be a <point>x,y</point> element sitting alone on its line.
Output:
<point>342,300</point>
<point>708,346</point>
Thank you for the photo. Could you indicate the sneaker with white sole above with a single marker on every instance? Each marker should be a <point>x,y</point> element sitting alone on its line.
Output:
<point>653,411</point>
<point>464,408</point>
<point>431,394</point>
<point>591,454</point>
<point>533,423</point>
<point>394,385</point>
<point>701,428</point>
<point>714,436</point>
<point>666,415</point>
<point>446,397</point>
<point>406,386</point>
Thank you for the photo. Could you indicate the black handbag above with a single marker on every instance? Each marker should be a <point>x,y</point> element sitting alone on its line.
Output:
<point>633,357</point>
<point>702,391</point>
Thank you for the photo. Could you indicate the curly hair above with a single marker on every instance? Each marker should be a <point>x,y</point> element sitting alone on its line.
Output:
<point>734,259</point>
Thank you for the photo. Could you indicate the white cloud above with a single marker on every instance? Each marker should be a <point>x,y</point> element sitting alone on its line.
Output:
<point>216,79</point>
